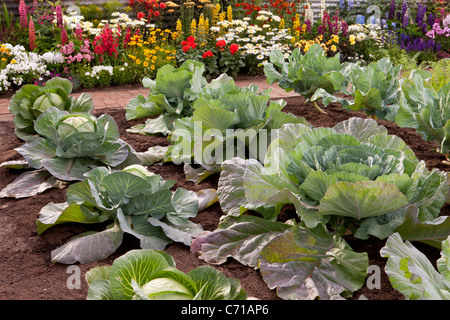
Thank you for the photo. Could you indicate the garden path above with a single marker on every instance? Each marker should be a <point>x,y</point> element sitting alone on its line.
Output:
<point>118,97</point>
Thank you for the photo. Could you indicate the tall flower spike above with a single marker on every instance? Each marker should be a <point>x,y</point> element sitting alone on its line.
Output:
<point>23,15</point>
<point>79,32</point>
<point>392,10</point>
<point>64,38</point>
<point>59,18</point>
<point>32,35</point>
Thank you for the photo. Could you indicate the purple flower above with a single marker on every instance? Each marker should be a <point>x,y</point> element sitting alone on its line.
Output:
<point>405,21</point>
<point>320,29</point>
<point>430,20</point>
<point>344,28</point>
<point>404,7</point>
<point>392,10</point>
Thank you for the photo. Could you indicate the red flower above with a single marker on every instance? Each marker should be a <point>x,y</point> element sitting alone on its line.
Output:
<point>156,13</point>
<point>191,39</point>
<point>221,43</point>
<point>208,54</point>
<point>184,43</point>
<point>162,5</point>
<point>234,48</point>
<point>140,15</point>
<point>186,48</point>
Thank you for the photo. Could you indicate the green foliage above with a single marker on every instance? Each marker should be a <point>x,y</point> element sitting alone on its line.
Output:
<point>311,75</point>
<point>152,275</point>
<point>171,96</point>
<point>425,109</point>
<point>351,177</point>
<point>227,121</point>
<point>413,274</point>
<point>134,201</point>
<point>440,72</point>
<point>103,11</point>
<point>375,88</point>
<point>28,103</point>
<point>300,263</point>
<point>70,145</point>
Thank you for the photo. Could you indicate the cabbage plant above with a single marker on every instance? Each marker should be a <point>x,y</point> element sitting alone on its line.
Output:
<point>152,275</point>
<point>71,144</point>
<point>132,200</point>
<point>30,101</point>
<point>375,88</point>
<point>426,110</point>
<point>413,274</point>
<point>227,121</point>
<point>353,177</point>
<point>311,75</point>
<point>171,96</point>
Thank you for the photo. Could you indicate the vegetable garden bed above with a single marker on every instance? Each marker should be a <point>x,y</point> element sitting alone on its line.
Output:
<point>25,264</point>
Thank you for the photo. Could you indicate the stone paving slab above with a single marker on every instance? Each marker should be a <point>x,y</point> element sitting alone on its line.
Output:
<point>118,97</point>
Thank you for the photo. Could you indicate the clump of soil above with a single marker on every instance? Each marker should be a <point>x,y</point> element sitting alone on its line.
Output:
<point>28,273</point>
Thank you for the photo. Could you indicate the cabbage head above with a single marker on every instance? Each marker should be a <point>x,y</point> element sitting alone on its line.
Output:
<point>152,275</point>
<point>31,100</point>
<point>352,177</point>
<point>71,144</point>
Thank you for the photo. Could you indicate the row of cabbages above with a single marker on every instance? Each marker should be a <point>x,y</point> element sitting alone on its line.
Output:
<point>350,180</point>
<point>376,89</point>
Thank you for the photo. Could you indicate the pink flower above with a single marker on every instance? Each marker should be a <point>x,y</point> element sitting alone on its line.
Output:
<point>59,18</point>
<point>79,32</point>
<point>23,14</point>
<point>32,35</point>
<point>64,38</point>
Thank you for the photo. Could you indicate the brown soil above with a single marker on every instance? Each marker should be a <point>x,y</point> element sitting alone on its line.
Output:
<point>26,271</point>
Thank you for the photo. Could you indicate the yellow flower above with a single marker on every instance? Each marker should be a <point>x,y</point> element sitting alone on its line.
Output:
<point>13,61</point>
<point>145,64</point>
<point>152,67</point>
<point>222,16</point>
<point>138,61</point>
<point>333,48</point>
<point>352,39</point>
